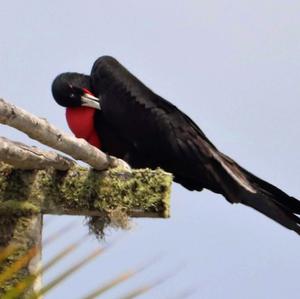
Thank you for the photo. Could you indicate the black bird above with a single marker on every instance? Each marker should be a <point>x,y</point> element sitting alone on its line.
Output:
<point>117,113</point>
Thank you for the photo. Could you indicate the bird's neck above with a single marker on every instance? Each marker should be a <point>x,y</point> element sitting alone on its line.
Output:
<point>81,122</point>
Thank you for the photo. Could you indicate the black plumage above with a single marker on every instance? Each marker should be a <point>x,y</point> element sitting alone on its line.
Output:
<point>141,127</point>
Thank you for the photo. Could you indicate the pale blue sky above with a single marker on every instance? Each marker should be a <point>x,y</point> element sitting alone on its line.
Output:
<point>234,67</point>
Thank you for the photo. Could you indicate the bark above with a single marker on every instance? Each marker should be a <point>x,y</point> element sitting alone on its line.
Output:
<point>81,191</point>
<point>41,130</point>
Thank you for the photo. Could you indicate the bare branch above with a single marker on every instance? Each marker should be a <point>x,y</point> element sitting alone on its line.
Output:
<point>41,130</point>
<point>26,157</point>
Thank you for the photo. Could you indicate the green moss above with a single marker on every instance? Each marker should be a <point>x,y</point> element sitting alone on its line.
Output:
<point>5,171</point>
<point>119,193</point>
<point>86,189</point>
<point>18,208</point>
<point>144,189</point>
<point>115,193</point>
<point>138,192</point>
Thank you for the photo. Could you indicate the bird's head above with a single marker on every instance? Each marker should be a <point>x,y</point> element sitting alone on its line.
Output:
<point>73,90</point>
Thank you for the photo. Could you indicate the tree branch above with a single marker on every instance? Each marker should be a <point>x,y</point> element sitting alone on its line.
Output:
<point>26,157</point>
<point>79,191</point>
<point>46,133</point>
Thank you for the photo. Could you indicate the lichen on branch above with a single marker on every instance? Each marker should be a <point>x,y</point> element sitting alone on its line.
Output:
<point>86,192</point>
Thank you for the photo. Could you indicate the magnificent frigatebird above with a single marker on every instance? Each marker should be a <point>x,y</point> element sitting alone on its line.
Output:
<point>116,112</point>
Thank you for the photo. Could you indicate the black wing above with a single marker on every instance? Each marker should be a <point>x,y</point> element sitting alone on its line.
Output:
<point>157,130</point>
<point>160,135</point>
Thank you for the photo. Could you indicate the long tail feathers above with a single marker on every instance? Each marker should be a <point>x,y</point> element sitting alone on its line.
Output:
<point>269,206</point>
<point>261,195</point>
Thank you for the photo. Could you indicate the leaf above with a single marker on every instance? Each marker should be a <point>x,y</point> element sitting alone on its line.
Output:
<point>17,265</point>
<point>24,284</point>
<point>116,281</point>
<point>67,273</point>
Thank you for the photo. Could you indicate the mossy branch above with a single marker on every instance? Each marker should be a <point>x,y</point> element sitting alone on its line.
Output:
<point>81,191</point>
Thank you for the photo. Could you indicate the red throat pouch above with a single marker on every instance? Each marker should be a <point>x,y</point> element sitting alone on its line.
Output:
<point>81,122</point>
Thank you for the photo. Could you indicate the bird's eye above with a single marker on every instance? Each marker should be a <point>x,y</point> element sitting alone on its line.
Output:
<point>72,95</point>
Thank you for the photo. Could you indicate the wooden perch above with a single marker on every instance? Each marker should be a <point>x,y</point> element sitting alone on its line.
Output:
<point>41,130</point>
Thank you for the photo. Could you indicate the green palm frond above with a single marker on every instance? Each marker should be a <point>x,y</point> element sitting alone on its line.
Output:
<point>20,288</point>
